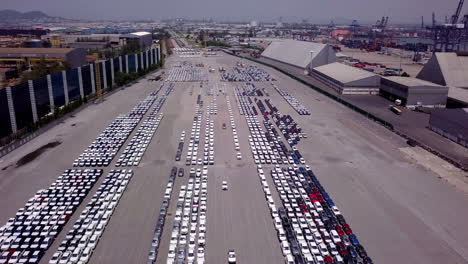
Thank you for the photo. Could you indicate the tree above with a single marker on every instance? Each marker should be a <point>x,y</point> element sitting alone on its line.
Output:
<point>130,48</point>
<point>42,69</point>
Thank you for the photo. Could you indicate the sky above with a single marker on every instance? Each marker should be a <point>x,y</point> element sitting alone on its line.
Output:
<point>315,11</point>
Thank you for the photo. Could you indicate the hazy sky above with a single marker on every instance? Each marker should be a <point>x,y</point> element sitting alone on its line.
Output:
<point>313,10</point>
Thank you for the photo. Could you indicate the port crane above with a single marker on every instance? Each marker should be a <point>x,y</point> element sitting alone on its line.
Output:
<point>450,36</point>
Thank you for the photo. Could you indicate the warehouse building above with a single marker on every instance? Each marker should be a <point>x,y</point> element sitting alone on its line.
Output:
<point>346,79</point>
<point>447,69</point>
<point>27,57</point>
<point>451,123</point>
<point>301,54</point>
<point>414,92</point>
<point>144,39</point>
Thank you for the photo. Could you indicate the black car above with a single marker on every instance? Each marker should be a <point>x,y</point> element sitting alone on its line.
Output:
<point>174,171</point>
<point>181,172</point>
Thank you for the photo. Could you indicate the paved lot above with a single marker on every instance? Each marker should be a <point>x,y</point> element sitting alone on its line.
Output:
<point>413,124</point>
<point>401,212</point>
<point>407,65</point>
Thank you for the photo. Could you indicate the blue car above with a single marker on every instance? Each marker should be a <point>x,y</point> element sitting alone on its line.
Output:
<point>354,239</point>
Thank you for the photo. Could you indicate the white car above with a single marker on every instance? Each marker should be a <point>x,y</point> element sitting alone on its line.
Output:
<point>224,186</point>
<point>75,257</point>
<point>191,255</point>
<point>285,247</point>
<point>239,156</point>
<point>201,240</point>
<point>86,254</point>
<point>231,256</point>
<point>201,255</point>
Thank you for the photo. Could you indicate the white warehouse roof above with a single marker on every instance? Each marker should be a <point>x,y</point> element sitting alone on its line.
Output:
<point>446,68</point>
<point>302,54</point>
<point>344,73</point>
<point>141,33</point>
<point>346,79</point>
<point>411,82</point>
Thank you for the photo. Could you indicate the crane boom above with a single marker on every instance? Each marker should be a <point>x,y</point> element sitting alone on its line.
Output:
<point>457,13</point>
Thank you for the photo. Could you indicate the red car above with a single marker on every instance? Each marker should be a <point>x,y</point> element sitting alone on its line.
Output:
<point>340,231</point>
<point>347,229</point>
<point>328,259</point>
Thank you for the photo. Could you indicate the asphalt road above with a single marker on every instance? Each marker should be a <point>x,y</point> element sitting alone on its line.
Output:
<point>401,212</point>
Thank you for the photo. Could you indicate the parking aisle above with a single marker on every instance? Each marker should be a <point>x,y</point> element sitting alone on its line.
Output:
<point>136,218</point>
<point>239,218</point>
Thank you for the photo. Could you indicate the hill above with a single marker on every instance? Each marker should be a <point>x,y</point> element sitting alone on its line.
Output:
<point>9,15</point>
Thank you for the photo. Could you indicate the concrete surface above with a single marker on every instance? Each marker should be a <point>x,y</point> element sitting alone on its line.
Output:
<point>401,211</point>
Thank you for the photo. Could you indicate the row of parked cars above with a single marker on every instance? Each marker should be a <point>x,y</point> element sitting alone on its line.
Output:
<point>26,236</point>
<point>208,150</point>
<point>300,108</point>
<point>194,140</point>
<point>187,52</point>
<point>83,237</point>
<point>310,227</point>
<point>250,73</point>
<point>158,229</point>
<point>186,72</point>
<point>104,148</point>
<point>244,103</point>
<point>180,146</point>
<point>132,154</point>
<point>250,89</point>
<point>234,130</point>
<point>188,236</point>
<point>311,220</point>
<point>267,147</point>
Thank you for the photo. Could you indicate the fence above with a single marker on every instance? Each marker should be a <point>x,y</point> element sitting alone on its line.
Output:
<point>26,103</point>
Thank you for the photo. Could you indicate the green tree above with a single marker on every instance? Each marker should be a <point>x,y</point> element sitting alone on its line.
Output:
<point>130,48</point>
<point>42,69</point>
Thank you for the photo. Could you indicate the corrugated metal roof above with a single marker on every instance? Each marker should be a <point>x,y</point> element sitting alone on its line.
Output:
<point>411,82</point>
<point>454,68</point>
<point>343,73</point>
<point>294,52</point>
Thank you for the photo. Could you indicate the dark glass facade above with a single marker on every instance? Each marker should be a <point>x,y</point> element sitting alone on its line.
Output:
<point>57,89</point>
<point>86,76</point>
<point>131,63</point>
<point>73,85</point>
<point>41,93</point>
<point>5,125</point>
<point>22,103</point>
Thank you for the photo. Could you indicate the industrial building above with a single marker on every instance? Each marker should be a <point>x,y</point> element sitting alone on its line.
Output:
<point>446,68</point>
<point>144,39</point>
<point>414,92</point>
<point>98,41</point>
<point>451,123</point>
<point>27,57</point>
<point>302,54</point>
<point>347,79</point>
